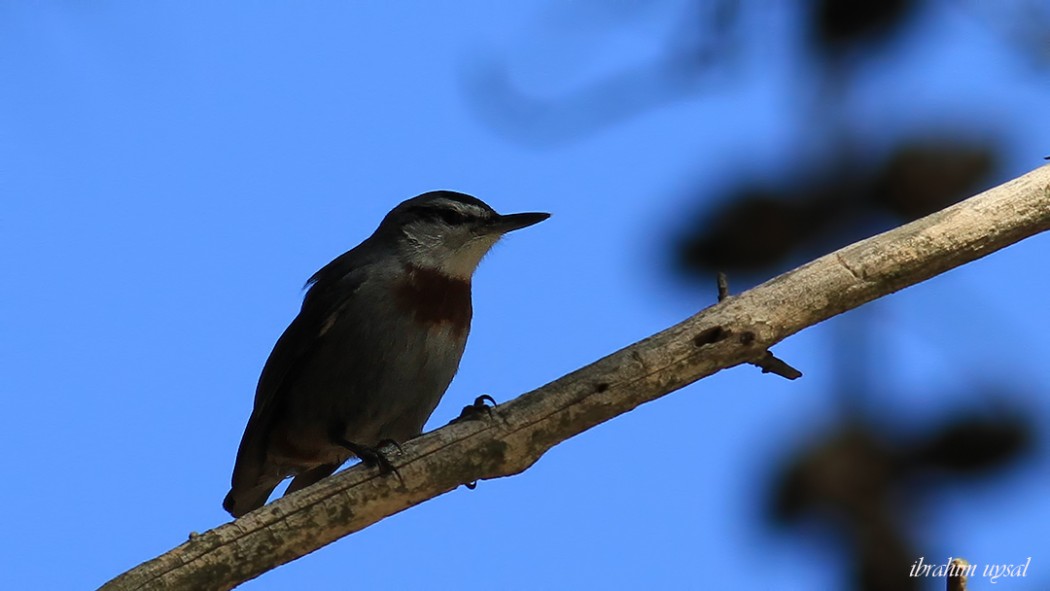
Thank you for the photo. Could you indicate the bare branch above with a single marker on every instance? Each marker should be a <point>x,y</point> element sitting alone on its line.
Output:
<point>767,362</point>
<point>738,330</point>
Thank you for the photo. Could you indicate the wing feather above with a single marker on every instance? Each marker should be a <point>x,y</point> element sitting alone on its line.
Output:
<point>330,290</point>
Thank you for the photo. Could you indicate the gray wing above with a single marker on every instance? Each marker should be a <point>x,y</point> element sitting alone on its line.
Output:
<point>331,289</point>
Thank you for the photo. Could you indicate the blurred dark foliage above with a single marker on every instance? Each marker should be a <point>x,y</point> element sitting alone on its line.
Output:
<point>867,482</point>
<point>864,477</point>
<point>839,24</point>
<point>756,228</point>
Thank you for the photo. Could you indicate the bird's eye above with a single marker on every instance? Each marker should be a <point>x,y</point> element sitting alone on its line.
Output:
<point>451,217</point>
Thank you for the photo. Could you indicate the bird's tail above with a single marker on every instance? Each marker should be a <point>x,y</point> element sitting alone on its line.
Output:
<point>240,501</point>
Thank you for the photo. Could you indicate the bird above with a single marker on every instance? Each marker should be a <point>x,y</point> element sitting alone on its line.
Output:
<point>376,342</point>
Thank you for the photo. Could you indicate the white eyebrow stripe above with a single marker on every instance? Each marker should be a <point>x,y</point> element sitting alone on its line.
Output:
<point>464,208</point>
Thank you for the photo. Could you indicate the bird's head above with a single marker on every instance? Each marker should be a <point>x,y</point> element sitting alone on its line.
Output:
<point>449,232</point>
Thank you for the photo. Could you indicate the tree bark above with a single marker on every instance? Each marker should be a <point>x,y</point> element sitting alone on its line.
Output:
<point>739,329</point>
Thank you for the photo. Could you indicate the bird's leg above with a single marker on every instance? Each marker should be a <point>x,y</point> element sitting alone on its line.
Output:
<point>392,443</point>
<point>472,412</point>
<point>370,456</point>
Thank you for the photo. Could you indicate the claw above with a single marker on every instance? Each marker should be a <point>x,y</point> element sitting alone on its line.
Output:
<point>472,412</point>
<point>372,457</point>
<point>391,443</point>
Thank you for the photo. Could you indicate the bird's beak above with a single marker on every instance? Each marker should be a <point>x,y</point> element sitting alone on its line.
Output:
<point>516,221</point>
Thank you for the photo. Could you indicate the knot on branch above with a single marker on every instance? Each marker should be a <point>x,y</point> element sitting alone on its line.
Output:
<point>767,362</point>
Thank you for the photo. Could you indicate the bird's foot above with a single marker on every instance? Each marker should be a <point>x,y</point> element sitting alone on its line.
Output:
<point>390,443</point>
<point>372,457</point>
<point>473,412</point>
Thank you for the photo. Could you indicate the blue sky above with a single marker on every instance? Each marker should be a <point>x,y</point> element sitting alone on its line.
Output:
<point>172,172</point>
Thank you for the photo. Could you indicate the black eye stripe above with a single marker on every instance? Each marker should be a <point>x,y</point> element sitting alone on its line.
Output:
<point>449,216</point>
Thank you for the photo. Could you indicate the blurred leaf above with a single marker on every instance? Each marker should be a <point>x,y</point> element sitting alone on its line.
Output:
<point>922,177</point>
<point>754,230</point>
<point>837,24</point>
<point>974,445</point>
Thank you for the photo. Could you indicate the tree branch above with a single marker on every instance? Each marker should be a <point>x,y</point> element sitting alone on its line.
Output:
<point>767,361</point>
<point>739,329</point>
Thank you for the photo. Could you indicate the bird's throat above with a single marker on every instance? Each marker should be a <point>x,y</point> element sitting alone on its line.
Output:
<point>434,298</point>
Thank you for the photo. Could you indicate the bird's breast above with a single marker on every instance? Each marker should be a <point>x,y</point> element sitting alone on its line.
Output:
<point>433,299</point>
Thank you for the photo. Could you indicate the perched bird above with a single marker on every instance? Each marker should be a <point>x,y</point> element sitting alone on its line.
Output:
<point>378,339</point>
